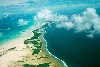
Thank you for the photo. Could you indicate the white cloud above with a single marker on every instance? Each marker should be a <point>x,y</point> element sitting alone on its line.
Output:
<point>47,15</point>
<point>17,2</point>
<point>22,22</point>
<point>4,15</point>
<point>32,6</point>
<point>43,15</point>
<point>88,21</point>
<point>11,2</point>
<point>67,25</point>
<point>90,36</point>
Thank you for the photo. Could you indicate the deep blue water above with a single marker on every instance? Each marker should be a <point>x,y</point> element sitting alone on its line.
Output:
<point>75,49</point>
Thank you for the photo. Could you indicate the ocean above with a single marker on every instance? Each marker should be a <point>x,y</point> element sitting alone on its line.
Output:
<point>11,29</point>
<point>75,49</point>
<point>76,44</point>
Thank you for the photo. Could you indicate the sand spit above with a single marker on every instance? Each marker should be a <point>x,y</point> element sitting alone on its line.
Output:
<point>29,50</point>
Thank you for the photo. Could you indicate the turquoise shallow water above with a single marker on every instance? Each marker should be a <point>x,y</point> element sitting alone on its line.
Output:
<point>10,29</point>
<point>75,49</point>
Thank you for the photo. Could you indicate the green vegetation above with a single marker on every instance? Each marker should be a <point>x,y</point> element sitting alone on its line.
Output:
<point>41,43</point>
<point>38,47</point>
<point>37,44</point>
<point>31,42</point>
<point>26,42</point>
<point>35,40</point>
<point>36,35</point>
<point>40,65</point>
<point>20,61</point>
<point>12,48</point>
<point>38,40</point>
<point>36,51</point>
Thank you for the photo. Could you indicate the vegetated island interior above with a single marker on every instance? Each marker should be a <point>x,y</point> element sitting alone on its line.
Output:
<point>38,56</point>
<point>39,47</point>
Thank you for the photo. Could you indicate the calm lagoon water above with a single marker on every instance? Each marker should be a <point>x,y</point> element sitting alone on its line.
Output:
<point>75,49</point>
<point>9,27</point>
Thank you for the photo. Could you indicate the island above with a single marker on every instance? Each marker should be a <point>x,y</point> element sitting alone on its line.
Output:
<point>36,54</point>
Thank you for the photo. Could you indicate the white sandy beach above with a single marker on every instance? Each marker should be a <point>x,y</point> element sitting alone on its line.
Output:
<point>14,55</point>
<point>15,50</point>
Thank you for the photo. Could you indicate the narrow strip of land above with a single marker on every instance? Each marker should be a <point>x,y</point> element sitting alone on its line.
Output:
<point>32,53</point>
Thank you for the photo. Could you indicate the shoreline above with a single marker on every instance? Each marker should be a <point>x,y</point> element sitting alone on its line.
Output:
<point>54,55</point>
<point>12,49</point>
<point>20,36</point>
<point>47,51</point>
<point>21,48</point>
